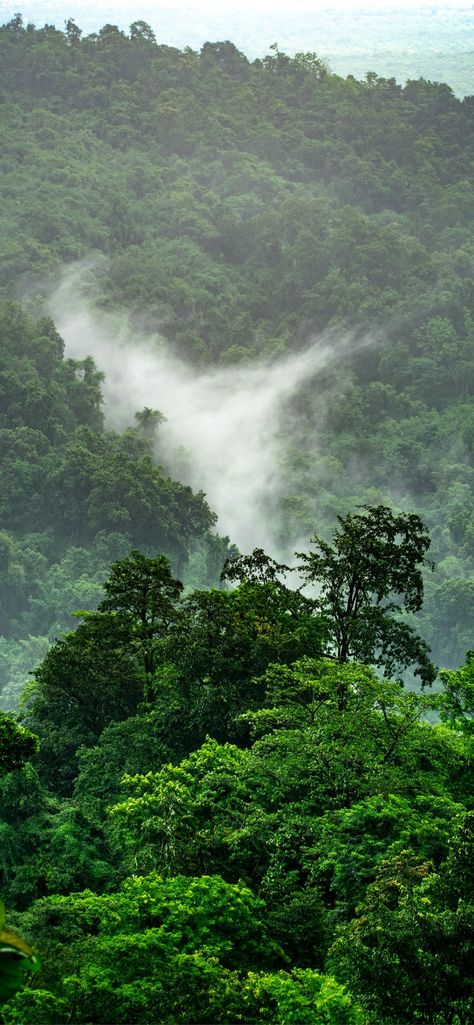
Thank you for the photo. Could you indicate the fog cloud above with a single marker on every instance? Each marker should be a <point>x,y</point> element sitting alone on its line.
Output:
<point>222,432</point>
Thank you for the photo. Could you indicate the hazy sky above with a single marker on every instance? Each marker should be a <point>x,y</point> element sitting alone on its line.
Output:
<point>279,5</point>
<point>143,8</point>
<point>232,6</point>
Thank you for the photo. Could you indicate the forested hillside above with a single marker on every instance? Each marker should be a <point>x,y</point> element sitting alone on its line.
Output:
<point>219,803</point>
<point>245,208</point>
<point>73,496</point>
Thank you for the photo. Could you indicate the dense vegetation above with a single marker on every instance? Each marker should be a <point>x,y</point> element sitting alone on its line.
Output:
<point>73,495</point>
<point>242,208</point>
<point>228,819</point>
<point>214,809</point>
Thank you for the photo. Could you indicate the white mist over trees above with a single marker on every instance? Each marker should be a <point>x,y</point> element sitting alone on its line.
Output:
<point>222,431</point>
<point>244,209</point>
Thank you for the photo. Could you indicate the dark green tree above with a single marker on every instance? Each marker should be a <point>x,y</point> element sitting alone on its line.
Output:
<point>17,745</point>
<point>367,576</point>
<point>88,678</point>
<point>73,32</point>
<point>409,949</point>
<point>144,593</point>
<point>142,31</point>
<point>456,701</point>
<point>102,671</point>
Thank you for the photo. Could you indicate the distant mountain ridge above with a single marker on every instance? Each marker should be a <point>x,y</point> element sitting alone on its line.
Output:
<point>435,42</point>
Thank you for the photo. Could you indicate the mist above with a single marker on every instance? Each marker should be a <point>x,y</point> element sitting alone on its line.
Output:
<point>223,427</point>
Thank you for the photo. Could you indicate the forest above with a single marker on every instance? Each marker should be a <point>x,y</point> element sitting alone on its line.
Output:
<point>235,786</point>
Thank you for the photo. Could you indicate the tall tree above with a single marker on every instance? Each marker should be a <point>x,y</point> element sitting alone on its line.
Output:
<point>367,576</point>
<point>144,592</point>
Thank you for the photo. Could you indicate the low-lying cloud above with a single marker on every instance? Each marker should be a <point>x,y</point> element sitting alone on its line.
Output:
<point>222,432</point>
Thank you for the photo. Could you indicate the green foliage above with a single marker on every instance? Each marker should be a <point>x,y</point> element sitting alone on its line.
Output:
<point>284,808</point>
<point>88,679</point>
<point>456,701</point>
<point>158,950</point>
<point>144,594</point>
<point>37,1006</point>
<point>304,997</point>
<point>139,744</point>
<point>46,844</point>
<point>318,838</point>
<point>408,950</point>
<point>266,854</point>
<point>73,496</point>
<point>176,949</point>
<point>352,842</point>
<point>194,662</point>
<point>372,570</point>
<point>16,744</point>
<point>16,660</point>
<point>243,206</point>
<point>225,639</point>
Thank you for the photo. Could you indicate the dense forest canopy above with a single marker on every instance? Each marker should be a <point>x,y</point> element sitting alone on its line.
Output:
<point>219,802</point>
<point>226,822</point>
<point>243,209</point>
